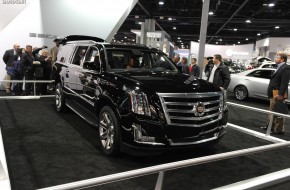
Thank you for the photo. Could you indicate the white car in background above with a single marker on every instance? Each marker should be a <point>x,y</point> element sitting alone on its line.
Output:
<point>252,83</point>
<point>268,65</point>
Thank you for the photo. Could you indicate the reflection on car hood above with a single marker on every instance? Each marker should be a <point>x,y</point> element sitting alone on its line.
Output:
<point>168,82</point>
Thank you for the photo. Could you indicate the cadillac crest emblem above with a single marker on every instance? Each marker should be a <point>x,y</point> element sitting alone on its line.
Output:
<point>199,109</point>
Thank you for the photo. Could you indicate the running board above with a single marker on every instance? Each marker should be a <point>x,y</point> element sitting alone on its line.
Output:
<point>82,112</point>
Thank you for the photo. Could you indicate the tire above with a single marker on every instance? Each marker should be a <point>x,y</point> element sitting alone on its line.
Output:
<point>241,92</point>
<point>60,99</point>
<point>109,132</point>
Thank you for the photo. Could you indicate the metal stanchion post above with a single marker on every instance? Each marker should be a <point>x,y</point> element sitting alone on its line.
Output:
<point>269,128</point>
<point>160,180</point>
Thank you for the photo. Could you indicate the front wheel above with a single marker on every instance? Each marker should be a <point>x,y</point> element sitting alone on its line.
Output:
<point>241,92</point>
<point>59,99</point>
<point>109,134</point>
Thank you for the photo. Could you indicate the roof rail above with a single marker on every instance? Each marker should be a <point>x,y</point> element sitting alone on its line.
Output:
<point>80,38</point>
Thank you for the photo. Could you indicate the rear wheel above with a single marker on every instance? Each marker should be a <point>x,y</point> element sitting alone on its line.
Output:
<point>241,92</point>
<point>109,134</point>
<point>59,99</point>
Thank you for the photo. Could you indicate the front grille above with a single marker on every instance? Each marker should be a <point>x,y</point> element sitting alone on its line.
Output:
<point>179,109</point>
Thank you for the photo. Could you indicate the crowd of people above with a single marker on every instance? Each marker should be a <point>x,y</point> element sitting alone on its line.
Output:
<point>216,71</point>
<point>29,63</point>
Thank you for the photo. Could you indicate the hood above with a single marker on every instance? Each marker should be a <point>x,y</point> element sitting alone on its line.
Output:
<point>167,82</point>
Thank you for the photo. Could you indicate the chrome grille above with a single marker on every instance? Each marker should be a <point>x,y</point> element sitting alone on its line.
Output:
<point>179,108</point>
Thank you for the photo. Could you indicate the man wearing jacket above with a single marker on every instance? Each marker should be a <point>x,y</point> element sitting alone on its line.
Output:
<point>219,73</point>
<point>8,59</point>
<point>279,81</point>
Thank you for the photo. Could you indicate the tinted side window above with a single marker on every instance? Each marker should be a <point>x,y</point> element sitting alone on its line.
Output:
<point>79,55</point>
<point>92,60</point>
<point>266,74</point>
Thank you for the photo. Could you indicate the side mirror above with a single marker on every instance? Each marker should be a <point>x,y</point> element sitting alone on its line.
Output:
<point>92,66</point>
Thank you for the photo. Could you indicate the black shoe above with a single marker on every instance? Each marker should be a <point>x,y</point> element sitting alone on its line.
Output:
<point>278,132</point>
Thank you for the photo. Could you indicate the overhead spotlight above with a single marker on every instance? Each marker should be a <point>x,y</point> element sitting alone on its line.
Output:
<point>271,4</point>
<point>210,13</point>
<point>277,27</point>
<point>239,42</point>
<point>235,29</point>
<point>217,43</point>
<point>140,23</point>
<point>258,34</point>
<point>161,2</point>
<point>248,21</point>
<point>174,28</point>
<point>221,40</point>
<point>136,16</point>
<point>125,37</point>
<point>178,38</point>
<point>161,17</point>
<point>169,18</point>
<point>247,39</point>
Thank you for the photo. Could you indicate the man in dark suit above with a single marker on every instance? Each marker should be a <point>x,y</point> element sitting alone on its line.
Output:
<point>219,73</point>
<point>279,81</point>
<point>8,59</point>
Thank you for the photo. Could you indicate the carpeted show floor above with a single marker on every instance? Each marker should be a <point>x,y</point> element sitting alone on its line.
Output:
<point>45,148</point>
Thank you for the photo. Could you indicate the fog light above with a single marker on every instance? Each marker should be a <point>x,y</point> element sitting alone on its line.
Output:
<point>138,137</point>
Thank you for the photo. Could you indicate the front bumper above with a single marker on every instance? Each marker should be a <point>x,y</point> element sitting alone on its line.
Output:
<point>151,136</point>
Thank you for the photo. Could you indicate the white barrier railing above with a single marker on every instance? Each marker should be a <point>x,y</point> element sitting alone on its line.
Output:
<point>34,88</point>
<point>163,167</point>
<point>268,131</point>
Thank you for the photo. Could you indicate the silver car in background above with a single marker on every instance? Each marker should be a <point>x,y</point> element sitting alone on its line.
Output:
<point>252,83</point>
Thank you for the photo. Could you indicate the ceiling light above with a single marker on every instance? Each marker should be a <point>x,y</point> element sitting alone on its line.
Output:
<point>221,40</point>
<point>174,28</point>
<point>178,38</point>
<point>277,27</point>
<point>210,13</point>
<point>161,2</point>
<point>239,42</point>
<point>125,37</point>
<point>133,40</point>
<point>140,23</point>
<point>136,16</point>
<point>271,4</point>
<point>235,29</point>
<point>258,34</point>
<point>161,17</point>
<point>247,39</point>
<point>248,21</point>
<point>265,4</point>
<point>169,18</point>
<point>217,42</point>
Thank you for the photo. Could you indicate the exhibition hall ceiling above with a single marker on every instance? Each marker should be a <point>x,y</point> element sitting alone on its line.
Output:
<point>231,22</point>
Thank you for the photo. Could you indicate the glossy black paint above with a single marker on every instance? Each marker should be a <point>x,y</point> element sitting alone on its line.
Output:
<point>94,89</point>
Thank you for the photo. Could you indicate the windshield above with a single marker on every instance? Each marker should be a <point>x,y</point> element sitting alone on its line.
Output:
<point>125,60</point>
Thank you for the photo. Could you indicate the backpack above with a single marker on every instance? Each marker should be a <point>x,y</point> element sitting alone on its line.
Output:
<point>16,68</point>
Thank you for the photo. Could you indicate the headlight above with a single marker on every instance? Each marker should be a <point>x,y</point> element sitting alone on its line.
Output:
<point>139,102</point>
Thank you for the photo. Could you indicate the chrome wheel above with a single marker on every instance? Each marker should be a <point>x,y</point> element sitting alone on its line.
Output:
<point>59,99</point>
<point>109,135</point>
<point>106,130</point>
<point>241,92</point>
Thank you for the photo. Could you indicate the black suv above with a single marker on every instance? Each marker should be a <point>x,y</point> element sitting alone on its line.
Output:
<point>136,97</point>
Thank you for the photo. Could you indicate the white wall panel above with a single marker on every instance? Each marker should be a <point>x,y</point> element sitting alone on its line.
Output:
<point>101,18</point>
